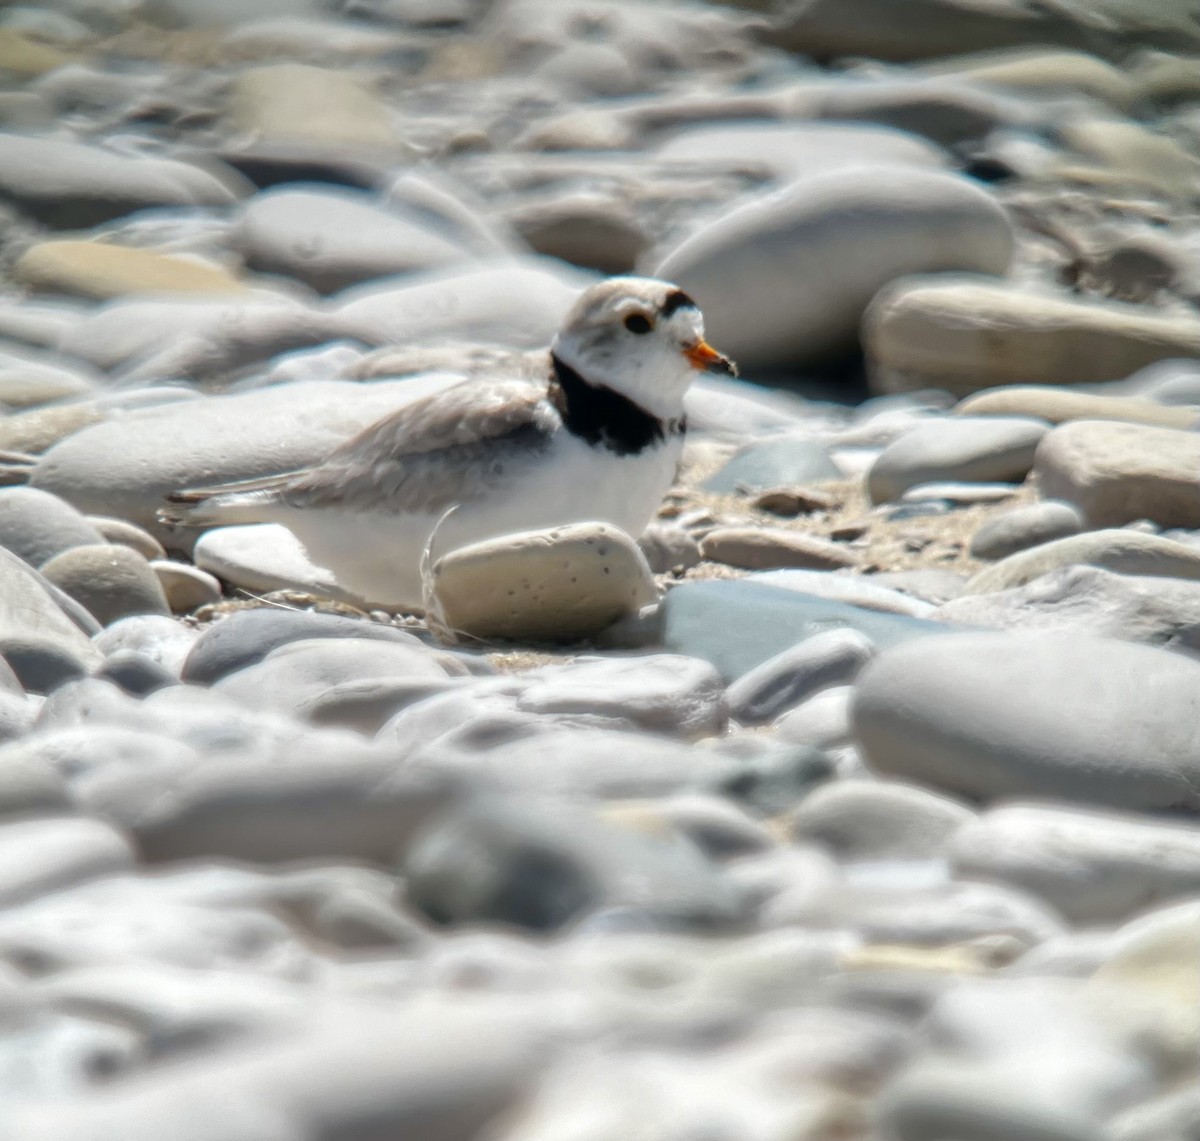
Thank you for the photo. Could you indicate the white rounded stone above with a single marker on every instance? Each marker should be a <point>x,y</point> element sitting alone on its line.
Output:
<point>1094,867</point>
<point>334,238</point>
<point>983,449</point>
<point>186,588</point>
<point>965,334</point>
<point>984,715</point>
<point>799,149</point>
<point>784,279</point>
<point>1117,473</point>
<point>1120,550</point>
<point>519,304</point>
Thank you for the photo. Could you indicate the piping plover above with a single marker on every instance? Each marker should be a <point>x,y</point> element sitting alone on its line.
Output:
<point>599,438</point>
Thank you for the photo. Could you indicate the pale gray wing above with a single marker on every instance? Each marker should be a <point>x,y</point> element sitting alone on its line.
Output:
<point>445,449</point>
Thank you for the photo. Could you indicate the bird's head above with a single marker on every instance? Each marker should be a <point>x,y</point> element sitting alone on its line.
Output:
<point>640,337</point>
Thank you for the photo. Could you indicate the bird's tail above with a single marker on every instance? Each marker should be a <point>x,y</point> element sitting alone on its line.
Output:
<point>248,501</point>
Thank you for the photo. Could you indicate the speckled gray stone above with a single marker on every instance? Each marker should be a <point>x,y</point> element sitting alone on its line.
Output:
<point>781,278</point>
<point>498,862</point>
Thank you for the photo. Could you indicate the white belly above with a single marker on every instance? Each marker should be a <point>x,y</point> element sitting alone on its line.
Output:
<point>378,556</point>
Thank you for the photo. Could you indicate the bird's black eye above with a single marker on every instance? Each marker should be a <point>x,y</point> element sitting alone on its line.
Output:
<point>637,323</point>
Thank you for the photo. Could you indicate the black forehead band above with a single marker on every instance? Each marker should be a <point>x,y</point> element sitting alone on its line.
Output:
<point>677,300</point>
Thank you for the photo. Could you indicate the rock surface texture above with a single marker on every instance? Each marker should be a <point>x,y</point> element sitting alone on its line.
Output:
<point>855,798</point>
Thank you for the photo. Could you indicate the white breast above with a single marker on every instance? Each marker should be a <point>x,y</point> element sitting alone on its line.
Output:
<point>578,482</point>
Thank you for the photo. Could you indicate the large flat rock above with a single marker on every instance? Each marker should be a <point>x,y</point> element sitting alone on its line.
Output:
<point>1082,719</point>
<point>966,334</point>
<point>738,625</point>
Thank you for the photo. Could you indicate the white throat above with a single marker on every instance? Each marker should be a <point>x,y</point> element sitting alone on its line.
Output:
<point>655,381</point>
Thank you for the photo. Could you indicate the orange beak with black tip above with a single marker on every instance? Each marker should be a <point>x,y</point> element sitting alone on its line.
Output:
<point>704,357</point>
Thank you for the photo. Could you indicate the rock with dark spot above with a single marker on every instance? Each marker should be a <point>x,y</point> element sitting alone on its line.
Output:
<point>537,870</point>
<point>557,585</point>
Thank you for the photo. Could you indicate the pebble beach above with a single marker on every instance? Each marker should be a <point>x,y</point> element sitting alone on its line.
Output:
<point>858,799</point>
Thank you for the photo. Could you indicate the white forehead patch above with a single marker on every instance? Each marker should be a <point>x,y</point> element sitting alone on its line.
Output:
<point>688,317</point>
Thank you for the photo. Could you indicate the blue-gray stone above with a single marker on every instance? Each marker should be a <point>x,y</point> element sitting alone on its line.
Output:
<point>917,510</point>
<point>1173,381</point>
<point>737,625</point>
<point>783,461</point>
<point>134,672</point>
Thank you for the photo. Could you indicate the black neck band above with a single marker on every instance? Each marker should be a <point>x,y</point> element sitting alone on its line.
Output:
<point>600,416</point>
